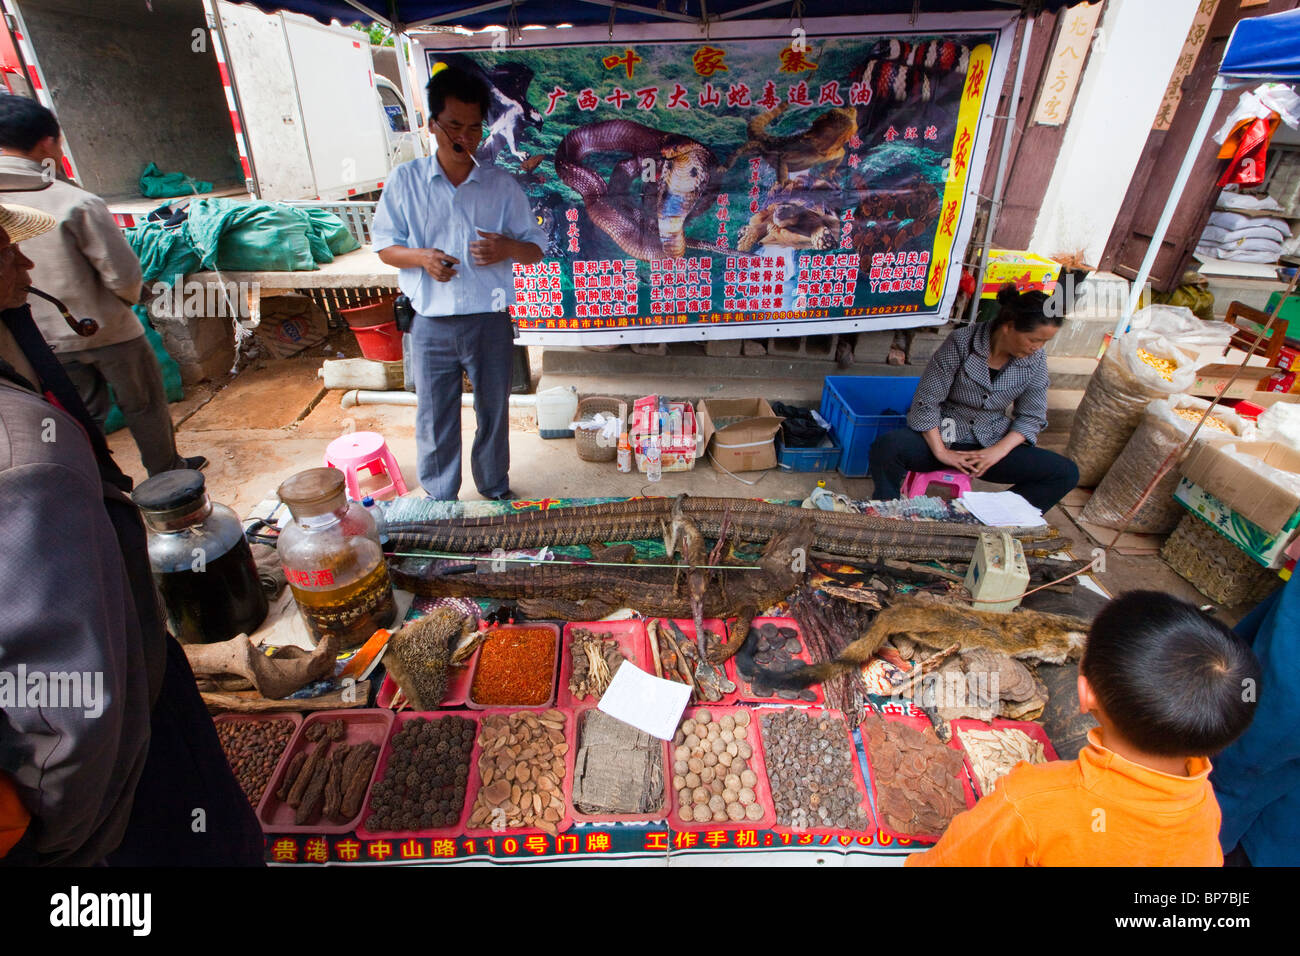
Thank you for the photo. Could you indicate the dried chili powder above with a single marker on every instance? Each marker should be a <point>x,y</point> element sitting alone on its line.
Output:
<point>516,667</point>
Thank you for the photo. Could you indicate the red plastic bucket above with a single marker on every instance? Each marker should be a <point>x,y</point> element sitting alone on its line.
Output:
<point>383,343</point>
<point>371,314</point>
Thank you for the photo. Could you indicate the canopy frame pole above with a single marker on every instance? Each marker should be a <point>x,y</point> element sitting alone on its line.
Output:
<point>1003,161</point>
<point>1171,203</point>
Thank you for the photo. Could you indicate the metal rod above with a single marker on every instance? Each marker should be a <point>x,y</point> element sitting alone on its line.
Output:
<point>1171,203</point>
<point>585,564</point>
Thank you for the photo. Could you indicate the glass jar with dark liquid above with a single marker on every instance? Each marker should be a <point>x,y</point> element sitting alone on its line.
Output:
<point>201,561</point>
<point>333,560</point>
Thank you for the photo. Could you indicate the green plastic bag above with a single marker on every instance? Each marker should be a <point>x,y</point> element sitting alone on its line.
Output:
<point>249,236</point>
<point>156,184</point>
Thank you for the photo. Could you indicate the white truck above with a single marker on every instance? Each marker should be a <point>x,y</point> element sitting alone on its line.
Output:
<point>275,106</point>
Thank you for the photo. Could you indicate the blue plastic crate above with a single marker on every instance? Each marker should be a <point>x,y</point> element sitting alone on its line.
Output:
<point>807,459</point>
<point>853,405</point>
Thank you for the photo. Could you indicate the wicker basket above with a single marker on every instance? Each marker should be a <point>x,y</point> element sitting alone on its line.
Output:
<point>588,448</point>
<point>1218,568</point>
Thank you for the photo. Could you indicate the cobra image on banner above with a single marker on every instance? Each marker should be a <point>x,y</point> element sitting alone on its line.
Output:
<point>774,178</point>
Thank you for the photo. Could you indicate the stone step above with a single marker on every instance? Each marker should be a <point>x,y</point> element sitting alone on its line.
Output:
<point>1070,372</point>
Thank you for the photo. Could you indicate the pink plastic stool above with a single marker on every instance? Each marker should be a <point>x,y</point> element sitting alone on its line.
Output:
<point>951,484</point>
<point>352,453</point>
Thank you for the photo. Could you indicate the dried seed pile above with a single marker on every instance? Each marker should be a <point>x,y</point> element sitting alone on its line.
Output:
<point>810,766</point>
<point>253,748</point>
<point>521,766</point>
<point>993,753</point>
<point>711,771</point>
<point>331,781</point>
<point>1165,367</point>
<point>917,779</point>
<point>1194,415</point>
<point>619,770</point>
<point>596,659</point>
<point>776,649</point>
<point>423,787</point>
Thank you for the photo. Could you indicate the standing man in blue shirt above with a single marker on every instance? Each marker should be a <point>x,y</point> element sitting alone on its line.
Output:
<point>454,228</point>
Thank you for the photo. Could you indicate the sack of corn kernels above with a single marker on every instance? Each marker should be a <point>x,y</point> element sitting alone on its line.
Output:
<point>1164,427</point>
<point>1156,358</point>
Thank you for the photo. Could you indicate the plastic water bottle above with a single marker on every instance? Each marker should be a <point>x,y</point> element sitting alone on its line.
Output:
<point>377,513</point>
<point>653,460</point>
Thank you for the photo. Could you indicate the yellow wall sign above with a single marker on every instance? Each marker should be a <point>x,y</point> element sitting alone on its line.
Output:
<point>954,192</point>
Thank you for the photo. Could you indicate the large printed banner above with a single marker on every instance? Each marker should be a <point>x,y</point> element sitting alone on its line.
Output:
<point>767,180</point>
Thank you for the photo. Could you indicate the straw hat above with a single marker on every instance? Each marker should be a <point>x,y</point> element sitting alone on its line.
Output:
<point>24,222</point>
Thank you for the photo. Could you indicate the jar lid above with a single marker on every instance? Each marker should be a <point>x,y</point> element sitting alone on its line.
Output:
<point>171,493</point>
<point>312,492</point>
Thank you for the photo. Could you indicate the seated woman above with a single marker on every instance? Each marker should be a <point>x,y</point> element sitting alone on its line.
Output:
<point>958,418</point>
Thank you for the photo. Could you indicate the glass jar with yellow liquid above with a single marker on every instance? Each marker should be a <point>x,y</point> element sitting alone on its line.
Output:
<point>333,560</point>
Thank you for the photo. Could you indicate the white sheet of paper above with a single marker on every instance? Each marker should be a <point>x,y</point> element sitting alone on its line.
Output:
<point>1002,509</point>
<point>648,703</point>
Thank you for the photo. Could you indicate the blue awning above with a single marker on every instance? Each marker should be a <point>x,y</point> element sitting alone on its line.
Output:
<point>475,14</point>
<point>1264,48</point>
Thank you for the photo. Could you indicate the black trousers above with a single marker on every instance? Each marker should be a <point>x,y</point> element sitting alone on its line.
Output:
<point>1039,476</point>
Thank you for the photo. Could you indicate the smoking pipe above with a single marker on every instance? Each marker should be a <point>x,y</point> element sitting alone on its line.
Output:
<point>83,327</point>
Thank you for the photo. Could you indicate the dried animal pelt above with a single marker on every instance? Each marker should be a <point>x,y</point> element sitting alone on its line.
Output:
<point>419,654</point>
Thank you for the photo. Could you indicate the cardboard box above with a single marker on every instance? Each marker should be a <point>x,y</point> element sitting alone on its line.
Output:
<point>1246,505</point>
<point>745,445</point>
<point>1212,380</point>
<point>1026,269</point>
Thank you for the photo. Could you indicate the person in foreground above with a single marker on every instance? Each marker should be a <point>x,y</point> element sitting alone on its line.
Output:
<point>958,418</point>
<point>1170,686</point>
<point>107,753</point>
<point>1257,779</point>
<point>454,229</point>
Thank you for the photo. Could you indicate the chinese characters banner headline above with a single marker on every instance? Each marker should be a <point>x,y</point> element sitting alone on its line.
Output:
<point>767,180</point>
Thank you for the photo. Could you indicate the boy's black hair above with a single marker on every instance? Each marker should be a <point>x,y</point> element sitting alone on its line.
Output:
<point>1025,311</point>
<point>24,123</point>
<point>454,82</point>
<point>1174,681</point>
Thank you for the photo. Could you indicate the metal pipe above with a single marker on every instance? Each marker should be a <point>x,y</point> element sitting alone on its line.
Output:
<point>362,396</point>
<point>1003,159</point>
<point>1175,193</point>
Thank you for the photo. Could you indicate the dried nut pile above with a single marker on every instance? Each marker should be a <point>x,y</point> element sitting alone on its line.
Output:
<point>1192,415</point>
<point>521,769</point>
<point>253,748</point>
<point>423,787</point>
<point>917,779</point>
<point>711,771</point>
<point>776,649</point>
<point>1166,367</point>
<point>993,753</point>
<point>331,781</point>
<point>596,659</point>
<point>810,766</point>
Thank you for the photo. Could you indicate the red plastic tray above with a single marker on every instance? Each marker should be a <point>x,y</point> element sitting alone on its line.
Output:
<point>746,690</point>
<point>471,785</point>
<point>762,790</point>
<point>580,714</point>
<point>717,626</point>
<point>292,716</point>
<point>631,639</point>
<point>492,635</point>
<point>566,791</point>
<point>457,687</point>
<point>969,723</point>
<point>917,723</point>
<point>372,724</point>
<point>861,783</point>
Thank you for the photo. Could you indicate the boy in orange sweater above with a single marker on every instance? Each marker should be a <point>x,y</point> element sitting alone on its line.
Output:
<point>1169,686</point>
